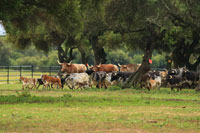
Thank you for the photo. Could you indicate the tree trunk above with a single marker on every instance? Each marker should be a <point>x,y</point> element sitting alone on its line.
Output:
<point>65,55</point>
<point>145,67</point>
<point>99,52</point>
<point>84,57</point>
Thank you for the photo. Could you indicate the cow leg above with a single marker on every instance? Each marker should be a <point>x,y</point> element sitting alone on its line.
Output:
<point>193,85</point>
<point>159,85</point>
<point>51,86</point>
<point>141,85</point>
<point>172,88</point>
<point>69,87</point>
<point>22,87</point>
<point>62,86</point>
<point>73,87</point>
<point>28,87</point>
<point>46,85</point>
<point>97,86</point>
<point>38,86</point>
<point>31,87</point>
<point>148,88</point>
<point>79,87</point>
<point>105,86</point>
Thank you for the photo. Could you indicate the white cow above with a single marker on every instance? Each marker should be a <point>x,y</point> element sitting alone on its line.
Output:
<point>155,83</point>
<point>79,80</point>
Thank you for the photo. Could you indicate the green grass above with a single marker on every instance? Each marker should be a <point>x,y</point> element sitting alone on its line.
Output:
<point>98,110</point>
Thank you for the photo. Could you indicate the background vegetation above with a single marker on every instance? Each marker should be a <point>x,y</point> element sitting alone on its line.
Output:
<point>11,55</point>
<point>104,31</point>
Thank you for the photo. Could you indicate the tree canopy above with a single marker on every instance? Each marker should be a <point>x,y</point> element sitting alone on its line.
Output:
<point>95,27</point>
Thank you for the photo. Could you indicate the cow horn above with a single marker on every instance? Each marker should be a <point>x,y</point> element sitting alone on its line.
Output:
<point>59,62</point>
<point>70,63</point>
<point>89,66</point>
<point>119,65</point>
<point>99,65</point>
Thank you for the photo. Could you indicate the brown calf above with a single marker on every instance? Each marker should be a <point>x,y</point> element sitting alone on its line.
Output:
<point>48,81</point>
<point>28,81</point>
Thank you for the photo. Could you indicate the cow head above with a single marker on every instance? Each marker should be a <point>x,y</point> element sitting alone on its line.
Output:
<point>90,67</point>
<point>124,66</point>
<point>44,76</point>
<point>115,76</point>
<point>21,78</point>
<point>65,66</point>
<point>96,68</point>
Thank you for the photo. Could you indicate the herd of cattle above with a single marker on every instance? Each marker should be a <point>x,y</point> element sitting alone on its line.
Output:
<point>104,75</point>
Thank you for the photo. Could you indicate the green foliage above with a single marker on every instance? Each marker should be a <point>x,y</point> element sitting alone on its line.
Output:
<point>88,25</point>
<point>31,56</point>
<point>137,59</point>
<point>4,54</point>
<point>110,40</point>
<point>159,61</point>
<point>118,56</point>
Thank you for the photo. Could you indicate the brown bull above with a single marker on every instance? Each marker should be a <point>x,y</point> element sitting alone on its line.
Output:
<point>129,67</point>
<point>105,68</point>
<point>72,68</point>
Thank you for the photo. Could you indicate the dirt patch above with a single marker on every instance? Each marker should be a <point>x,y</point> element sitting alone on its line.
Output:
<point>181,100</point>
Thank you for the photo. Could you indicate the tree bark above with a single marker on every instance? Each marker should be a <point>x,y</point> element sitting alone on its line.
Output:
<point>99,52</point>
<point>65,55</point>
<point>84,57</point>
<point>145,67</point>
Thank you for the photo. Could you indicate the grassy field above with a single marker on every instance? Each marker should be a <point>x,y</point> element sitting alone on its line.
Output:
<point>98,110</point>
